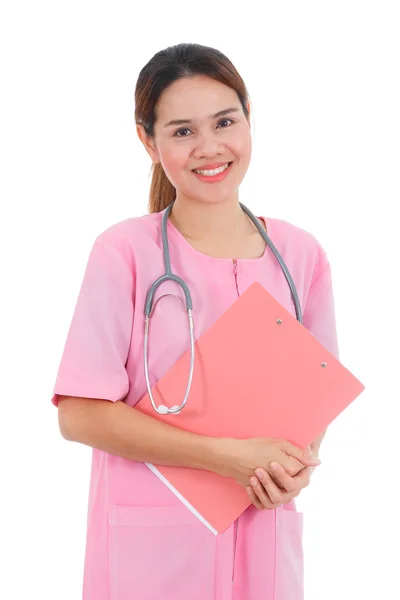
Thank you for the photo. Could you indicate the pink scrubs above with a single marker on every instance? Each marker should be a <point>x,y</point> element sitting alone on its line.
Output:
<point>142,542</point>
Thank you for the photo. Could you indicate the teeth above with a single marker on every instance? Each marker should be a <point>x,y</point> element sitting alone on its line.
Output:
<point>213,171</point>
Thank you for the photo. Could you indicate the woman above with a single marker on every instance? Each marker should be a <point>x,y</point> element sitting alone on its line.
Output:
<point>192,115</point>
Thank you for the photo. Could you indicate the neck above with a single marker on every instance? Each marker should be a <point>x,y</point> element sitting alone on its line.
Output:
<point>200,220</point>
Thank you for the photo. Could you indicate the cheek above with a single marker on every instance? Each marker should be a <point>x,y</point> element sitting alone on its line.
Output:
<point>173,161</point>
<point>242,145</point>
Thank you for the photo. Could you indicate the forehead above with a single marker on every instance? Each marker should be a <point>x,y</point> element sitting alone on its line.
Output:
<point>195,98</point>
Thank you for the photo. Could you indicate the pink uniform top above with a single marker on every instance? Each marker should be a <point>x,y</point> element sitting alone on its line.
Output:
<point>142,542</point>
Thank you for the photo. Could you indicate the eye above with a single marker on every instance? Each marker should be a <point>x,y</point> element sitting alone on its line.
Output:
<point>222,120</point>
<point>179,130</point>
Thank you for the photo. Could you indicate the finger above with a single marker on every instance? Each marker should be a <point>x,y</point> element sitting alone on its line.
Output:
<point>261,494</point>
<point>267,491</point>
<point>291,465</point>
<point>281,477</point>
<point>302,455</point>
<point>253,498</point>
<point>302,480</point>
<point>275,478</point>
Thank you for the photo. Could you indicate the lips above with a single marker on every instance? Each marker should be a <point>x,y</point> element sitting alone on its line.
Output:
<point>219,176</point>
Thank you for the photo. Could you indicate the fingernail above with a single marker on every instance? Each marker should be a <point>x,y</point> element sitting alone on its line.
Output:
<point>274,466</point>
<point>259,473</point>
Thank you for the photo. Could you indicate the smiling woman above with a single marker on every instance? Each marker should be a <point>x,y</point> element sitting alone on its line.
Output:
<point>196,117</point>
<point>193,119</point>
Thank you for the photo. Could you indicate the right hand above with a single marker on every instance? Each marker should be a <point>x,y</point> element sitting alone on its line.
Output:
<point>243,457</point>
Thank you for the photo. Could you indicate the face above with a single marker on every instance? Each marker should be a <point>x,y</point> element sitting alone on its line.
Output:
<point>201,140</point>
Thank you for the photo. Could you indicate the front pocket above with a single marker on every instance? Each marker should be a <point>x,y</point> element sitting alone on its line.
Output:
<point>160,552</point>
<point>289,568</point>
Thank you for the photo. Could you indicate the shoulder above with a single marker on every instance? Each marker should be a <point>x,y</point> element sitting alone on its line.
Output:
<point>299,245</point>
<point>132,236</point>
<point>140,228</point>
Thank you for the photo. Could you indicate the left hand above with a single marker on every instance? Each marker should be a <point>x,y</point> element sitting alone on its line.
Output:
<point>270,491</point>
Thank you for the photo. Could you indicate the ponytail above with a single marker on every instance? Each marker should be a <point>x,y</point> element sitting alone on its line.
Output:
<point>162,192</point>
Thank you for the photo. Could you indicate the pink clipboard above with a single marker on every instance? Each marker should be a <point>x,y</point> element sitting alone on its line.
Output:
<point>258,372</point>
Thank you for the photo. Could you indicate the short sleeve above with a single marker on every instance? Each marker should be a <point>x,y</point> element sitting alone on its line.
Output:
<point>319,312</point>
<point>97,345</point>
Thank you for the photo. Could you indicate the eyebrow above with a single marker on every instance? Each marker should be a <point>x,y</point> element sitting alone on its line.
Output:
<point>221,113</point>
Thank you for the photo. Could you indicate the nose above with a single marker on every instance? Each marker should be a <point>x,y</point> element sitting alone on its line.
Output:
<point>207,146</point>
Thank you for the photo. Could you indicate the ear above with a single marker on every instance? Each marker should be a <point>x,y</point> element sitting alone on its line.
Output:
<point>148,143</point>
<point>249,112</point>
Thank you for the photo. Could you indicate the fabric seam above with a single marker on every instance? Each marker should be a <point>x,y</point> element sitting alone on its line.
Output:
<point>319,277</point>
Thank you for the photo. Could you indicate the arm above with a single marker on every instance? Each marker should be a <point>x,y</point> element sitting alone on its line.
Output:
<point>119,429</point>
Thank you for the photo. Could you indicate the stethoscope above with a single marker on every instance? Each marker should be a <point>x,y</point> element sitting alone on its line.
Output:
<point>169,276</point>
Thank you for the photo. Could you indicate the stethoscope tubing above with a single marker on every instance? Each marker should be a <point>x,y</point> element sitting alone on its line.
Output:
<point>169,276</point>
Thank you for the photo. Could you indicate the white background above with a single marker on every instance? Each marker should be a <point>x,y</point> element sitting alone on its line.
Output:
<point>324,83</point>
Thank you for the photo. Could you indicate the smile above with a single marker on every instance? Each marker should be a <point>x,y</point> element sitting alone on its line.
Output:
<point>213,175</point>
<point>213,172</point>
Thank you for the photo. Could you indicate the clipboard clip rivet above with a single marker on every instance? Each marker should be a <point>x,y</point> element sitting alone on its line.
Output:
<point>279,321</point>
<point>323,365</point>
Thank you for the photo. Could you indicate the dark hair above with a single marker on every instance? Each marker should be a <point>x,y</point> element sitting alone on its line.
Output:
<point>167,66</point>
